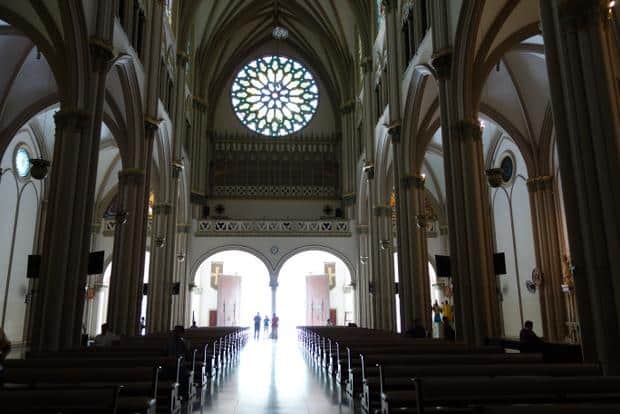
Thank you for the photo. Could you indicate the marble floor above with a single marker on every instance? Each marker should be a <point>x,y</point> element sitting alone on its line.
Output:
<point>273,377</point>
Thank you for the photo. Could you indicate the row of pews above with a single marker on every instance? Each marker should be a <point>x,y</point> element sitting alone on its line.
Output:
<point>389,373</point>
<point>134,376</point>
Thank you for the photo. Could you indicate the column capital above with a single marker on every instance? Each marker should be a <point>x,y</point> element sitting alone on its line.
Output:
<point>162,208</point>
<point>382,211</point>
<point>394,131</point>
<point>71,118</point>
<point>441,61</point>
<point>366,64</point>
<point>182,59</point>
<point>466,129</point>
<point>101,52</point>
<point>348,199</point>
<point>151,123</point>
<point>540,183</point>
<point>362,228</point>
<point>369,170</point>
<point>413,181</point>
<point>580,15</point>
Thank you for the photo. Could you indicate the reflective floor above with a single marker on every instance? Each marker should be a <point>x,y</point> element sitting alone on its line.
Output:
<point>273,377</point>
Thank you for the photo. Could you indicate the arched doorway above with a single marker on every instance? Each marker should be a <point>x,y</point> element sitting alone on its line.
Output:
<point>314,286</point>
<point>229,288</point>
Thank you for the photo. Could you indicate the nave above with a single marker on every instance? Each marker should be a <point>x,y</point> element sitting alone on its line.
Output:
<point>273,377</point>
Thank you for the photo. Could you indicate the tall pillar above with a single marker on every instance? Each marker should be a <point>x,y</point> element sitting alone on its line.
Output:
<point>181,304</point>
<point>361,288</point>
<point>579,49</point>
<point>273,284</point>
<point>160,281</point>
<point>548,257</point>
<point>385,293</point>
<point>128,258</point>
<point>412,197</point>
<point>59,301</point>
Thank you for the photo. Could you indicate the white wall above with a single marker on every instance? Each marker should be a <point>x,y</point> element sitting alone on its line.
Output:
<point>514,236</point>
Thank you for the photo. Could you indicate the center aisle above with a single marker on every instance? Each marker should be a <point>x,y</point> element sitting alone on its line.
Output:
<point>274,377</point>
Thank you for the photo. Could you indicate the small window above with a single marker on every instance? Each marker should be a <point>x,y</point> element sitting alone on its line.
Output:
<point>507,167</point>
<point>22,162</point>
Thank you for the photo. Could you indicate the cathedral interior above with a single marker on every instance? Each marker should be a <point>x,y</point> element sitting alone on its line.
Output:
<point>331,206</point>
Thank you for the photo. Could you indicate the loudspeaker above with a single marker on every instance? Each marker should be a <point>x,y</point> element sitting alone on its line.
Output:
<point>443,266</point>
<point>95,263</point>
<point>396,292</point>
<point>339,213</point>
<point>176,288</point>
<point>145,289</point>
<point>34,266</point>
<point>205,212</point>
<point>499,263</point>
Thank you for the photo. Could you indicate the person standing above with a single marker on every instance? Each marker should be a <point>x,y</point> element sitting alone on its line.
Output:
<point>274,326</point>
<point>437,317</point>
<point>257,320</point>
<point>266,326</point>
<point>448,332</point>
<point>446,310</point>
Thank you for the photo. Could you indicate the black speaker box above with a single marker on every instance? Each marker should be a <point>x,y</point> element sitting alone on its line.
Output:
<point>34,266</point>
<point>95,263</point>
<point>443,266</point>
<point>145,289</point>
<point>499,263</point>
<point>176,288</point>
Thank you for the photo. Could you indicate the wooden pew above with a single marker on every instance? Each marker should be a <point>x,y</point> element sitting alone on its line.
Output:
<point>502,391</point>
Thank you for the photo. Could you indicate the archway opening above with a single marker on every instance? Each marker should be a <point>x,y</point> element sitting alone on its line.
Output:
<point>229,288</point>
<point>314,288</point>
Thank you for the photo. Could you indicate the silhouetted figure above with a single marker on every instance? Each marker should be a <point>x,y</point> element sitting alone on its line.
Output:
<point>530,342</point>
<point>178,346</point>
<point>194,324</point>
<point>106,338</point>
<point>448,332</point>
<point>417,331</point>
<point>5,348</point>
<point>266,325</point>
<point>274,326</point>
<point>257,320</point>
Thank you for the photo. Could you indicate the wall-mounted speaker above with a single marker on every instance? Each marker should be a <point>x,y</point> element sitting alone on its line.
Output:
<point>443,266</point>
<point>205,212</point>
<point>499,263</point>
<point>34,266</point>
<point>95,263</point>
<point>176,288</point>
<point>339,213</point>
<point>145,289</point>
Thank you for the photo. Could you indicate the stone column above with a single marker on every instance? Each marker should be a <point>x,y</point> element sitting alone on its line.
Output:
<point>197,151</point>
<point>59,302</point>
<point>419,283</point>
<point>128,257</point>
<point>181,303</point>
<point>273,284</point>
<point>363,297</point>
<point>385,293</point>
<point>578,50</point>
<point>160,281</point>
<point>548,256</point>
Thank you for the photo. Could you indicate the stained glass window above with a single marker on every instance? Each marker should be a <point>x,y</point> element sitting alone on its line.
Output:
<point>22,162</point>
<point>274,96</point>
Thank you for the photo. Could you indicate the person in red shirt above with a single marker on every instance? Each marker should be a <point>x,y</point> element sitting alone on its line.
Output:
<point>274,326</point>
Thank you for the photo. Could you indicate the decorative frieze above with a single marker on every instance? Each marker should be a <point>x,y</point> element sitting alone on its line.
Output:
<point>274,191</point>
<point>273,228</point>
<point>108,227</point>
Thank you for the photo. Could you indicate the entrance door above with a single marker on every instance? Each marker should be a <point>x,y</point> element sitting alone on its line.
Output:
<point>228,300</point>
<point>317,300</point>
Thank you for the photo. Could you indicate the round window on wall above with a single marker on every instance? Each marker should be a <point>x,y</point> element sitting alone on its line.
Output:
<point>22,162</point>
<point>507,167</point>
<point>274,96</point>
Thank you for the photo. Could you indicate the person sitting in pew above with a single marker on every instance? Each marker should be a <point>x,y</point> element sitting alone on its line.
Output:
<point>448,331</point>
<point>530,342</point>
<point>106,338</point>
<point>417,331</point>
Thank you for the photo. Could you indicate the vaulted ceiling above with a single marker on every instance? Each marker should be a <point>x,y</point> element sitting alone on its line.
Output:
<point>323,32</point>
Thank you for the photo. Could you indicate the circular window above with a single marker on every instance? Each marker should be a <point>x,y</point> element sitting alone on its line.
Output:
<point>274,96</point>
<point>22,162</point>
<point>507,167</point>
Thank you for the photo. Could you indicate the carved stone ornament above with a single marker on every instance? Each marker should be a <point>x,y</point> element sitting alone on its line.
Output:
<point>494,177</point>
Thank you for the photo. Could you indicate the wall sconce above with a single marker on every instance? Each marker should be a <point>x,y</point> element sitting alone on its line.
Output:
<point>39,168</point>
<point>121,217</point>
<point>160,241</point>
<point>177,168</point>
<point>363,259</point>
<point>494,177</point>
<point>181,257</point>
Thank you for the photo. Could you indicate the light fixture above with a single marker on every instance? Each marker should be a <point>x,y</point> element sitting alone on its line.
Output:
<point>363,259</point>
<point>160,241</point>
<point>385,244</point>
<point>121,217</point>
<point>181,257</point>
<point>611,4</point>
<point>39,168</point>
<point>278,32</point>
<point>495,177</point>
